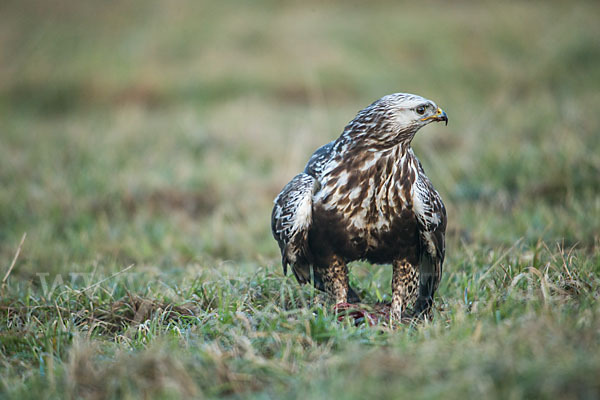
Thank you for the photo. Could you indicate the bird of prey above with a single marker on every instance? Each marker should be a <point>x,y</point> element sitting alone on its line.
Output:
<point>365,196</point>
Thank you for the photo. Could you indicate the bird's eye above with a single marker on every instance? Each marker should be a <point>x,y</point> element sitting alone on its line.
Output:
<point>420,110</point>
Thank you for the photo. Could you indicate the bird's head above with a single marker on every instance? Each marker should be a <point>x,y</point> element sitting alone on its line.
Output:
<point>393,119</point>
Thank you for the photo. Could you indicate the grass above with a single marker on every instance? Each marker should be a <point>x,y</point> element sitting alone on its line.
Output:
<point>156,137</point>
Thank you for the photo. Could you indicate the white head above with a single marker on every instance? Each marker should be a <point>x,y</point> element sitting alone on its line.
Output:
<point>393,119</point>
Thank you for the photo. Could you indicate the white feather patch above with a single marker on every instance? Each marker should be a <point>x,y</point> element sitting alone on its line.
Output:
<point>303,215</point>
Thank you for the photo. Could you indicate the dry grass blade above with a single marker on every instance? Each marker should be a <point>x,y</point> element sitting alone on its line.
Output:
<point>14,261</point>
<point>106,279</point>
<point>499,260</point>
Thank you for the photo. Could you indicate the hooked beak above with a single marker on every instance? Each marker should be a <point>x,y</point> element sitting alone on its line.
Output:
<point>440,115</point>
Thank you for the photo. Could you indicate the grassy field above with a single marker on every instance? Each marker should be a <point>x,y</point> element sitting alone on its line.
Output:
<point>142,143</point>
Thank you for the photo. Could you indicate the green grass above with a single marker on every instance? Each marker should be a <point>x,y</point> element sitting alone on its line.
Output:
<point>155,136</point>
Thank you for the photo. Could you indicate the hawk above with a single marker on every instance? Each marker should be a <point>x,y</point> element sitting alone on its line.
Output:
<point>365,196</point>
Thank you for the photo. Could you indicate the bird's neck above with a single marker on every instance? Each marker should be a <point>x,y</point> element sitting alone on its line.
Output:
<point>394,162</point>
<point>362,135</point>
<point>348,148</point>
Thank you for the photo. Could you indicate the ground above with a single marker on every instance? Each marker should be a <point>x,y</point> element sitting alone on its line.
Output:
<point>141,145</point>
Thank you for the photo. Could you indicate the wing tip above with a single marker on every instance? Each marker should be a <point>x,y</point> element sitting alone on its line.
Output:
<point>284,264</point>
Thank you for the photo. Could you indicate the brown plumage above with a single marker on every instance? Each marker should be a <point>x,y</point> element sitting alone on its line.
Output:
<point>365,196</point>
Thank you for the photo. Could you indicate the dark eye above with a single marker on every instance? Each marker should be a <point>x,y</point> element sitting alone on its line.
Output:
<point>420,110</point>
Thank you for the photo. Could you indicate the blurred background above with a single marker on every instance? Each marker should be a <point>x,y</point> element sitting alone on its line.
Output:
<point>158,133</point>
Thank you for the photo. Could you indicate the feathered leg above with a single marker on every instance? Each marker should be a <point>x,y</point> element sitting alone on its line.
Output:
<point>335,279</point>
<point>405,281</point>
<point>353,297</point>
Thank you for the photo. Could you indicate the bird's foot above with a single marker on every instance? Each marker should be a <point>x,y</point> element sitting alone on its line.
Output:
<point>375,314</point>
<point>355,311</point>
<point>362,313</point>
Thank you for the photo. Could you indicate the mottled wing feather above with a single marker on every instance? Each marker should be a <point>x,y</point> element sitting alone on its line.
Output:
<point>319,160</point>
<point>290,222</point>
<point>432,222</point>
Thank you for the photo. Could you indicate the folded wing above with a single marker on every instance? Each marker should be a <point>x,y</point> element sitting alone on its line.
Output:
<point>290,222</point>
<point>431,215</point>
